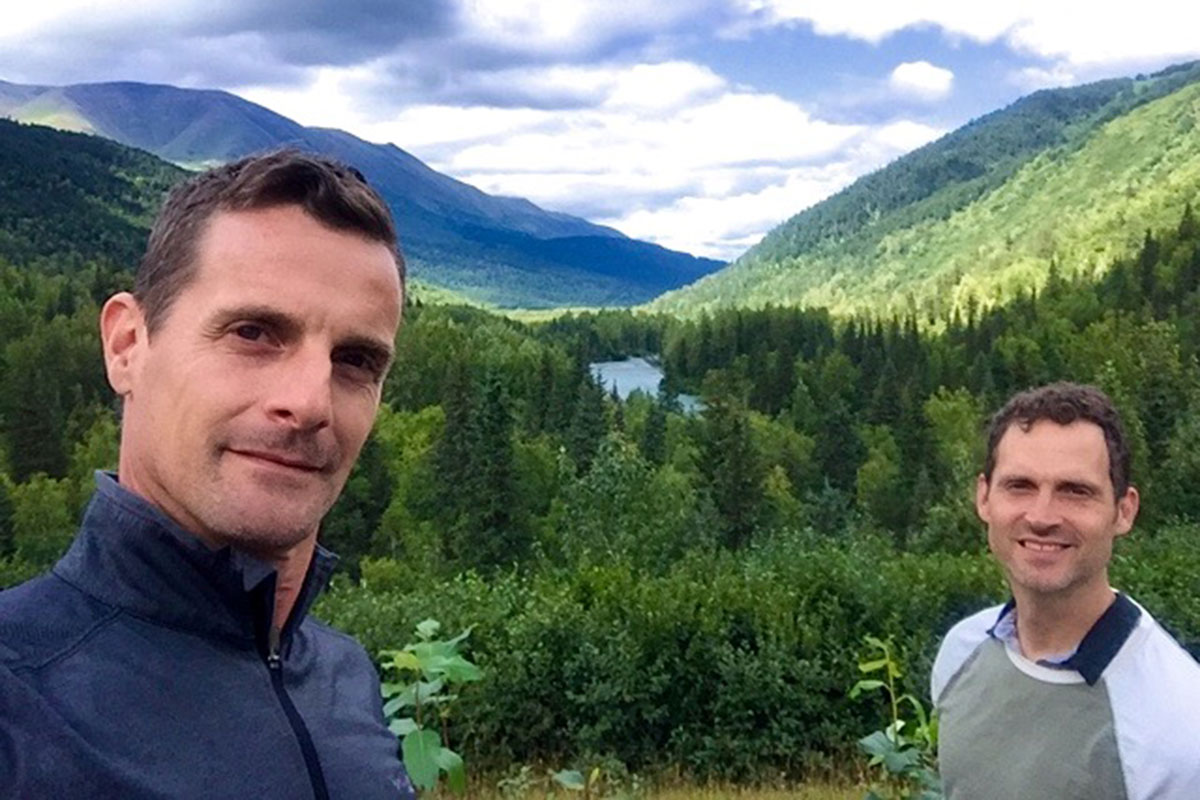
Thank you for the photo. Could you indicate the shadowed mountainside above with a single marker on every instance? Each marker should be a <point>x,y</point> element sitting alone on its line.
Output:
<point>502,250</point>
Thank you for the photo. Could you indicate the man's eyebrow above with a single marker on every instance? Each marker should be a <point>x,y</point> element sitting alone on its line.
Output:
<point>1014,477</point>
<point>279,322</point>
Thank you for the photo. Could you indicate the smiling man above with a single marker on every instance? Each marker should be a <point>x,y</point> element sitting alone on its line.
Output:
<point>1071,689</point>
<point>169,653</point>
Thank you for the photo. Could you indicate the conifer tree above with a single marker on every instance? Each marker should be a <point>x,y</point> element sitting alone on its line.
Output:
<point>588,424</point>
<point>653,444</point>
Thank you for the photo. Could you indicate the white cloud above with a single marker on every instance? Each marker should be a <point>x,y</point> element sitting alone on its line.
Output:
<point>1089,35</point>
<point>723,226</point>
<point>1033,78</point>
<point>572,26</point>
<point>922,80</point>
<point>663,86</point>
<point>875,21</point>
<point>669,152</point>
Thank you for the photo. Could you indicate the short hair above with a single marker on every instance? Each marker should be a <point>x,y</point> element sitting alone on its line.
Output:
<point>1065,403</point>
<point>329,191</point>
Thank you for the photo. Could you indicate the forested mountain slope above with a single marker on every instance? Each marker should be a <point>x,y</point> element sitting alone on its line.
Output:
<point>66,198</point>
<point>1069,175</point>
<point>503,250</point>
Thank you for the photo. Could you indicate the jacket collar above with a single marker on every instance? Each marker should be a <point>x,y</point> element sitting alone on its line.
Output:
<point>130,555</point>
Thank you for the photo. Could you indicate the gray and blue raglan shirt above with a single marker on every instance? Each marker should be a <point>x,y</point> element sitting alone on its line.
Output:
<point>1119,718</point>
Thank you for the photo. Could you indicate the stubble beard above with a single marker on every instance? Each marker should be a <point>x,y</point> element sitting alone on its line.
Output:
<point>265,514</point>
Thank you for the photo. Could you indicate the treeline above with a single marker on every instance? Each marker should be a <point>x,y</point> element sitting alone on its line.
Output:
<point>672,590</point>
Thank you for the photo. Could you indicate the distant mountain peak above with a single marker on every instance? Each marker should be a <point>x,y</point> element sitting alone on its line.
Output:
<point>503,250</point>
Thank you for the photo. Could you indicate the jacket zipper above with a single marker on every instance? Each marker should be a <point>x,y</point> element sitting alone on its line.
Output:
<point>275,666</point>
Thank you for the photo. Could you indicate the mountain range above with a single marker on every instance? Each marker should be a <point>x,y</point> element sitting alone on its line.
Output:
<point>1068,177</point>
<point>500,250</point>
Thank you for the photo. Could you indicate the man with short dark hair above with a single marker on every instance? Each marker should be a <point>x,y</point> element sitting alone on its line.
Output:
<point>169,653</point>
<point>1071,689</point>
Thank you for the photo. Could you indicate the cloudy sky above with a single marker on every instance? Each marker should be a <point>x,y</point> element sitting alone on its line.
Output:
<point>698,124</point>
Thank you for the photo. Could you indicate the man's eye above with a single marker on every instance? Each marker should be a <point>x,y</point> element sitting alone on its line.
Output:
<point>251,333</point>
<point>359,361</point>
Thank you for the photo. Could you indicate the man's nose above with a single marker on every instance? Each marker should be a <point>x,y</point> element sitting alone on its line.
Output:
<point>1043,512</point>
<point>302,394</point>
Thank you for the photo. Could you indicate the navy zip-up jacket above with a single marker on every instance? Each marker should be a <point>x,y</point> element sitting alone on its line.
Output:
<point>142,666</point>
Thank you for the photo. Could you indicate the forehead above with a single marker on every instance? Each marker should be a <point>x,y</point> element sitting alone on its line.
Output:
<point>283,257</point>
<point>1077,450</point>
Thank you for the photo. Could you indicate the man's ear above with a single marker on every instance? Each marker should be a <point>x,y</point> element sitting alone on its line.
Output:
<point>124,338</point>
<point>981,498</point>
<point>1127,509</point>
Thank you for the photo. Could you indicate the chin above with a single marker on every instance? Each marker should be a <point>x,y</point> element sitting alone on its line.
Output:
<point>264,532</point>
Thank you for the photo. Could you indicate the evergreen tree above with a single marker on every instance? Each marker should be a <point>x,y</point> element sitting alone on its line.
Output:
<point>734,469</point>
<point>588,424</point>
<point>490,537</point>
<point>653,444</point>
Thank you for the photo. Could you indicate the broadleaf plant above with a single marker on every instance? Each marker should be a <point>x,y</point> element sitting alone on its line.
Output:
<point>418,700</point>
<point>905,752</point>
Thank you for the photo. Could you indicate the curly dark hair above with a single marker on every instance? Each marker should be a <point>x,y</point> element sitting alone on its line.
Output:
<point>1065,403</point>
<point>333,193</point>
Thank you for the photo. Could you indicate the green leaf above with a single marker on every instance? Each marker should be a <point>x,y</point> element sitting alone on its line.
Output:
<point>917,707</point>
<point>420,749</point>
<point>872,666</point>
<point>457,640</point>
<point>451,763</point>
<point>426,690</point>
<point>898,762</point>
<point>404,660</point>
<point>402,727</point>
<point>428,628</point>
<point>877,744</point>
<point>865,686</point>
<point>459,670</point>
<point>875,641</point>
<point>569,779</point>
<point>395,704</point>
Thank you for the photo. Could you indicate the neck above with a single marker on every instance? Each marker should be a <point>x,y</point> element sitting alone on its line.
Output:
<point>290,567</point>
<point>1053,624</point>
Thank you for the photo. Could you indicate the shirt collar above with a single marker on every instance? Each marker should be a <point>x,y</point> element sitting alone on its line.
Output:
<point>1098,647</point>
<point>130,555</point>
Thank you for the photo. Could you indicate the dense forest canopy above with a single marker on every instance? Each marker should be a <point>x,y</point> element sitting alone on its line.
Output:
<point>666,590</point>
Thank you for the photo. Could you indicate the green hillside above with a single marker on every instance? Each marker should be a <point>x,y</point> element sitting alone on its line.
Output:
<point>67,198</point>
<point>1074,176</point>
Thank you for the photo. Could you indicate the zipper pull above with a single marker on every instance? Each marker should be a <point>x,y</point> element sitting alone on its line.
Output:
<point>274,660</point>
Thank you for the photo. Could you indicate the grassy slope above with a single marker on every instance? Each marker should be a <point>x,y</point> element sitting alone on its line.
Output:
<point>1082,203</point>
